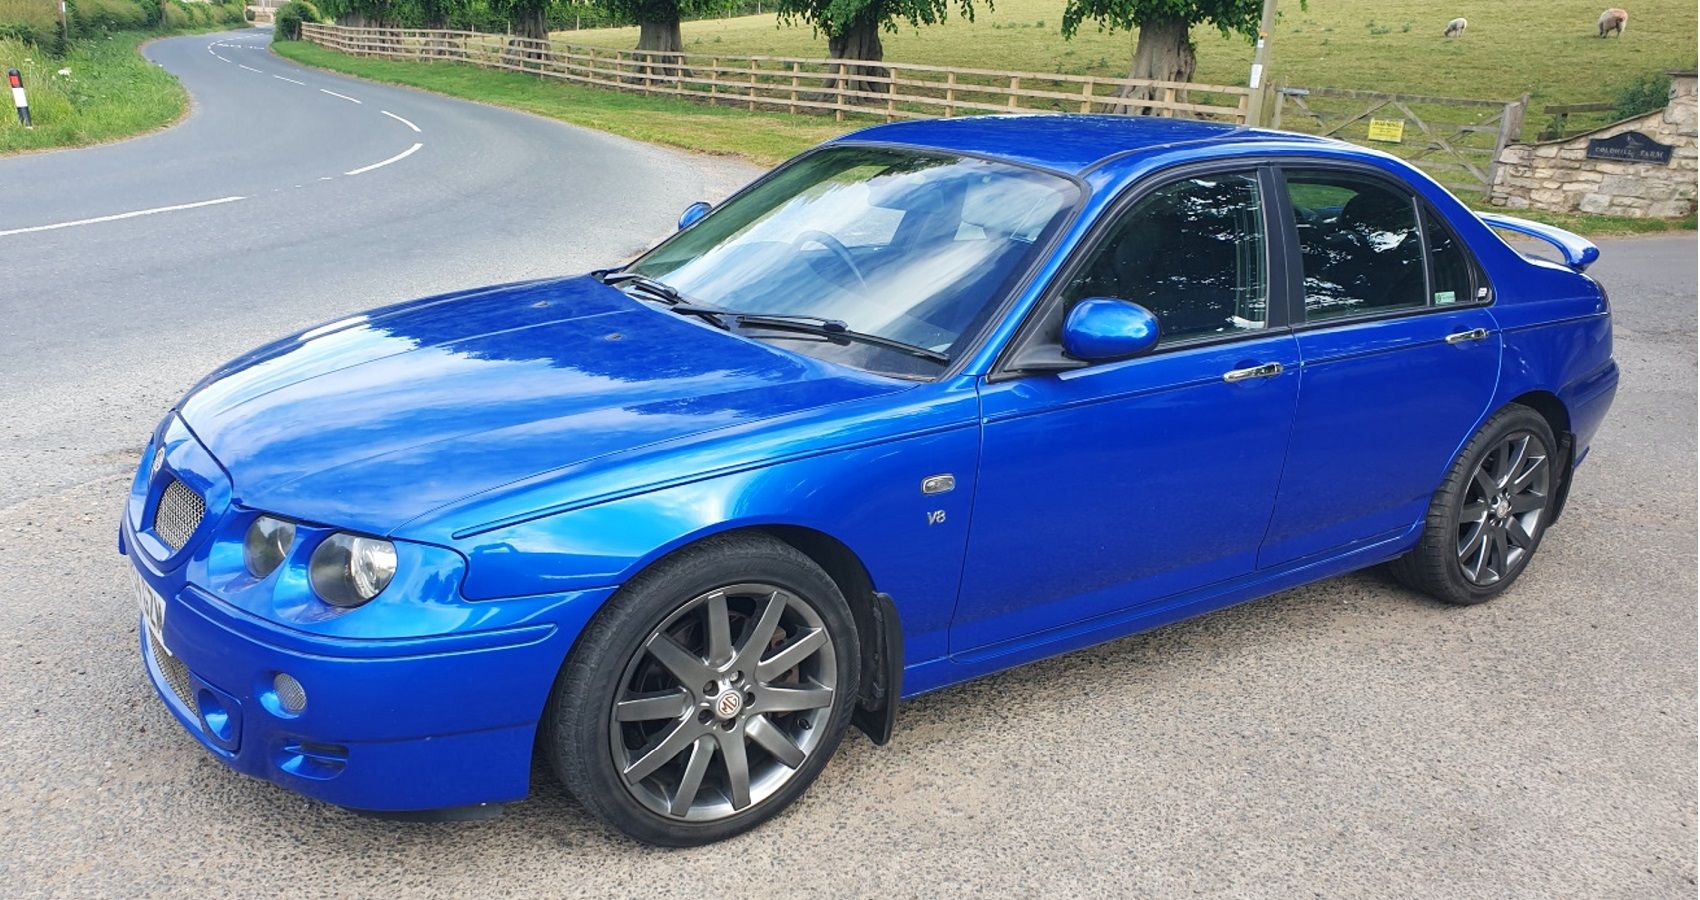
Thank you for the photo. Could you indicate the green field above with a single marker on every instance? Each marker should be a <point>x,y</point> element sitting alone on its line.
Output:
<point>1546,48</point>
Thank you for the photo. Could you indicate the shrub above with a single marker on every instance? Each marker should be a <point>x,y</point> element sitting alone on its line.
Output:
<point>173,15</point>
<point>30,21</point>
<point>233,14</point>
<point>1641,96</point>
<point>289,17</point>
<point>109,15</point>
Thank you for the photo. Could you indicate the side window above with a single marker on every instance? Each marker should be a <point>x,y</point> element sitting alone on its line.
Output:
<point>1451,276</point>
<point>1359,245</point>
<point>1192,252</point>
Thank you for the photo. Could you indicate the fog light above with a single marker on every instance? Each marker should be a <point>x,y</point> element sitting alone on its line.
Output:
<point>290,694</point>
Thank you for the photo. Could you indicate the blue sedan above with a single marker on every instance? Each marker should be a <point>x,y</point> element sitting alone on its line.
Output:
<point>929,401</point>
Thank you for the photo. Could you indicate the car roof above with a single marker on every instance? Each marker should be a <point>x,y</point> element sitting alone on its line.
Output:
<point>1075,143</point>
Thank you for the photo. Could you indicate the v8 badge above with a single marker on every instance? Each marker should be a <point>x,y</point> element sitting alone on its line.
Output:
<point>936,517</point>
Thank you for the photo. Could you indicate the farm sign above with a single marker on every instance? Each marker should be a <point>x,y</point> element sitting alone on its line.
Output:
<point>1630,146</point>
<point>1390,130</point>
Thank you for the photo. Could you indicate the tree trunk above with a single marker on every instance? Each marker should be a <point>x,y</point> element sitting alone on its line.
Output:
<point>528,22</point>
<point>859,40</point>
<point>660,37</point>
<point>1164,53</point>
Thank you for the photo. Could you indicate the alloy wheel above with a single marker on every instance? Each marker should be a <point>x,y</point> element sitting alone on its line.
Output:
<point>723,702</point>
<point>1503,506</point>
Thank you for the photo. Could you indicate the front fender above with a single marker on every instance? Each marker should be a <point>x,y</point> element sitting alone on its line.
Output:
<point>868,497</point>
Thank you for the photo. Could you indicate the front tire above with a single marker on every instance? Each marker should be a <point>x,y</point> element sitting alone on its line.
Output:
<point>1487,519</point>
<point>708,694</point>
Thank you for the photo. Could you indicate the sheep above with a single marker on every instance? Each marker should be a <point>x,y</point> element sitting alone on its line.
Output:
<point>1613,19</point>
<point>1455,28</point>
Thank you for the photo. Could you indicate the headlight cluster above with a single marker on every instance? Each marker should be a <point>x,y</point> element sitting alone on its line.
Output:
<point>345,569</point>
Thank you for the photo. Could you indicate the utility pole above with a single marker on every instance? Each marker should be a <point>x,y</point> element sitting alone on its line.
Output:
<point>1259,65</point>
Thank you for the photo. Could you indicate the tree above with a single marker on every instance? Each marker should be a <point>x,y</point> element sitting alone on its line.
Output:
<point>852,27</point>
<point>1165,51</point>
<point>657,21</point>
<point>526,19</point>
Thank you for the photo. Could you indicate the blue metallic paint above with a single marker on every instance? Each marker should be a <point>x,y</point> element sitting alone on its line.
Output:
<point>531,447</point>
<point>1103,328</point>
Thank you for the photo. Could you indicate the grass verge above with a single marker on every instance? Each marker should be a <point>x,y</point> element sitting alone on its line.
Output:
<point>101,90</point>
<point>1598,226</point>
<point>763,138</point>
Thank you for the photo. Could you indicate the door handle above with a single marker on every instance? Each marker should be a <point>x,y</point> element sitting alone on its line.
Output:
<point>1267,370</point>
<point>1474,334</point>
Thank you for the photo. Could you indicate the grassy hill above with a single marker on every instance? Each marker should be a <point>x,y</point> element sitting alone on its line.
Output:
<point>1546,48</point>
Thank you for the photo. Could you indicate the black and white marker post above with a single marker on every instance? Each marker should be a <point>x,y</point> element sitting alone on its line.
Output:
<point>19,99</point>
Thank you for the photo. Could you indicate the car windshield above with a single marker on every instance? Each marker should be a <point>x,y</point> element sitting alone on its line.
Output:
<point>912,247</point>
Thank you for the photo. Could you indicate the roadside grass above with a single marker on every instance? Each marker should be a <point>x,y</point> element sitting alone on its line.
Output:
<point>1595,225</point>
<point>111,92</point>
<point>1546,48</point>
<point>762,138</point>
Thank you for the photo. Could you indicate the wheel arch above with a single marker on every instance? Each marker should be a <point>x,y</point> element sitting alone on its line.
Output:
<point>1552,409</point>
<point>879,629</point>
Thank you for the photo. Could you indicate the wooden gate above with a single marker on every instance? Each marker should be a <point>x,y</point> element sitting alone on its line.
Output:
<point>1455,140</point>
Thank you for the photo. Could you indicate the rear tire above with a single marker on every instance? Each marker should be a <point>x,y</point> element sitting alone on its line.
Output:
<point>1486,521</point>
<point>707,694</point>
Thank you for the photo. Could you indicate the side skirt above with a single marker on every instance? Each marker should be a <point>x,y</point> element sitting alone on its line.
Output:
<point>946,671</point>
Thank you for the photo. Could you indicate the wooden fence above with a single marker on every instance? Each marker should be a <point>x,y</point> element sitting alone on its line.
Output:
<point>777,83</point>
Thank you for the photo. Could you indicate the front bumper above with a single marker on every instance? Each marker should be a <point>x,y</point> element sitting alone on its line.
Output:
<point>394,724</point>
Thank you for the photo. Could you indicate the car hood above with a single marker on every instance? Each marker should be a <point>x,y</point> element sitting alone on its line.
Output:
<point>372,421</point>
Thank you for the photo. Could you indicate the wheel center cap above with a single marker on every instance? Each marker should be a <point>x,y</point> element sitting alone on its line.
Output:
<point>1502,506</point>
<point>728,704</point>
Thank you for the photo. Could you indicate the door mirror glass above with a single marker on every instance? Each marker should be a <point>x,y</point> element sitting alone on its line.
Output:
<point>693,214</point>
<point>1104,328</point>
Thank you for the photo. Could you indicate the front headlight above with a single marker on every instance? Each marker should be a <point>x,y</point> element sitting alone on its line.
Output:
<point>266,544</point>
<point>348,570</point>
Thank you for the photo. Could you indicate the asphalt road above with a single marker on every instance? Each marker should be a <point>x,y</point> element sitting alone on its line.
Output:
<point>1345,739</point>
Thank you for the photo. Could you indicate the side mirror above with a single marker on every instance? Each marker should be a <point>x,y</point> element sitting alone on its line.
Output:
<point>1104,328</point>
<point>693,214</point>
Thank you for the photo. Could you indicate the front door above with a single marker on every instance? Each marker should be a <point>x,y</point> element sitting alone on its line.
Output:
<point>1108,487</point>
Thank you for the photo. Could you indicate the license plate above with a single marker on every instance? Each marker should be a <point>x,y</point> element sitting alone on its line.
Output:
<point>153,609</point>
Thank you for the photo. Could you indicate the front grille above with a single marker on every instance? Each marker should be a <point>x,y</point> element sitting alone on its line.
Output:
<point>178,514</point>
<point>176,674</point>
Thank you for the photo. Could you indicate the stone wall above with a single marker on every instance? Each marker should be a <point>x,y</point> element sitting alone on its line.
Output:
<point>1558,175</point>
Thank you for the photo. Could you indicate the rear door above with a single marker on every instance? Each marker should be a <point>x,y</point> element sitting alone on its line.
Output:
<point>1400,361</point>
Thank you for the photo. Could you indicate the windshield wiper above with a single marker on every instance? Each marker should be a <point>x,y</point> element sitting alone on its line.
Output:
<point>832,329</point>
<point>664,292</point>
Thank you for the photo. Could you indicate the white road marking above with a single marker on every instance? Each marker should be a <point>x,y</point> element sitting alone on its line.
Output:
<point>400,119</point>
<point>220,57</point>
<point>290,80</point>
<point>335,94</point>
<point>249,68</point>
<point>129,215</point>
<point>396,158</point>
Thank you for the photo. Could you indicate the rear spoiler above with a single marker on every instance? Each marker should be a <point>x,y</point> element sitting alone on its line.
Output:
<point>1579,253</point>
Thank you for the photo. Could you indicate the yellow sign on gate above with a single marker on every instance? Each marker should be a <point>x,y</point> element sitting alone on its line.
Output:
<point>1390,130</point>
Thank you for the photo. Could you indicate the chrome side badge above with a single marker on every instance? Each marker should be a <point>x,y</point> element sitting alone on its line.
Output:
<point>938,484</point>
